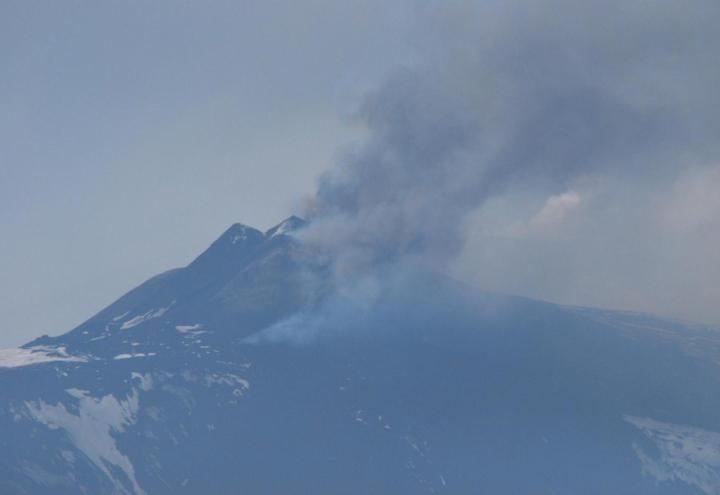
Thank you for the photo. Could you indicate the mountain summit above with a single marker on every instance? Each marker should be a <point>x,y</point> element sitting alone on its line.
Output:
<point>252,371</point>
<point>242,283</point>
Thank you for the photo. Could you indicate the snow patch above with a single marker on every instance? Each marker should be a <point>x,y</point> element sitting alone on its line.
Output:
<point>120,317</point>
<point>360,417</point>
<point>134,355</point>
<point>226,379</point>
<point>196,328</point>
<point>149,315</point>
<point>91,431</point>
<point>686,453</point>
<point>283,228</point>
<point>146,381</point>
<point>286,227</point>
<point>13,358</point>
<point>76,392</point>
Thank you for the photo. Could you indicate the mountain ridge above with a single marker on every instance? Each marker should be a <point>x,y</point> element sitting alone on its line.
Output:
<point>405,383</point>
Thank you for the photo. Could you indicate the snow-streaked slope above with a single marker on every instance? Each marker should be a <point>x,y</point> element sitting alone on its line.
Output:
<point>90,431</point>
<point>684,453</point>
<point>16,357</point>
<point>247,372</point>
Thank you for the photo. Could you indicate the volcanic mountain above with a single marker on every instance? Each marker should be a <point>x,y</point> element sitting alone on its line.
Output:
<point>254,371</point>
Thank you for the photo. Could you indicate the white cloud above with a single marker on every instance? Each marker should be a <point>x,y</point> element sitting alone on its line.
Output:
<point>554,212</point>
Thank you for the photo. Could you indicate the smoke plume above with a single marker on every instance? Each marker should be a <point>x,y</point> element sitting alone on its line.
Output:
<point>546,106</point>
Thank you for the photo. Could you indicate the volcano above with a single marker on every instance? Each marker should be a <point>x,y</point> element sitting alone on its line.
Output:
<point>253,371</point>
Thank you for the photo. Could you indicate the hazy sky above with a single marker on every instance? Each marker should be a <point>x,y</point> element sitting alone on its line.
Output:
<point>133,133</point>
<point>563,150</point>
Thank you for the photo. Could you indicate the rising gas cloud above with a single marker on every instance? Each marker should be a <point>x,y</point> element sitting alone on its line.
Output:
<point>527,131</point>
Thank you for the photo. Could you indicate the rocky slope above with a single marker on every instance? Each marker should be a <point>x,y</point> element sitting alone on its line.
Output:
<point>249,371</point>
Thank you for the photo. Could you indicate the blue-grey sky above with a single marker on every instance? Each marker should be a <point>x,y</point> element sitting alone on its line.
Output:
<point>133,133</point>
<point>562,150</point>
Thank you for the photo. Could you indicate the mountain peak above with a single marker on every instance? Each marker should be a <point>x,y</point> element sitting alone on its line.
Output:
<point>234,242</point>
<point>239,232</point>
<point>290,224</point>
